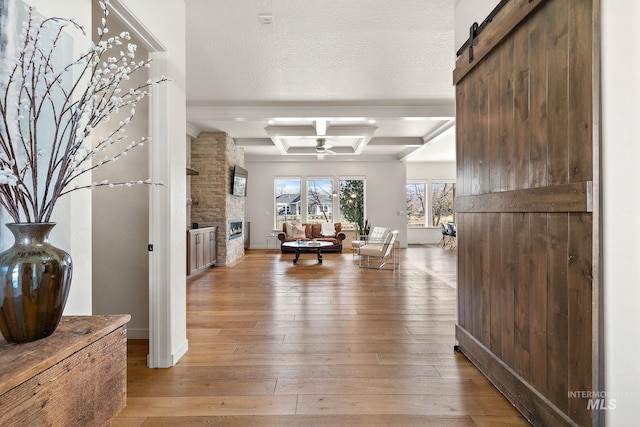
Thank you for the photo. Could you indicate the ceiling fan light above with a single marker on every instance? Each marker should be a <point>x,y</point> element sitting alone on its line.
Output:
<point>322,147</point>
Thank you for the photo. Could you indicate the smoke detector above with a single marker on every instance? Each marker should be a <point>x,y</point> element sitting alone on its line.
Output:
<point>266,19</point>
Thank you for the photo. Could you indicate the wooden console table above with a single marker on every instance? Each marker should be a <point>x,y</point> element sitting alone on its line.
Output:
<point>75,377</point>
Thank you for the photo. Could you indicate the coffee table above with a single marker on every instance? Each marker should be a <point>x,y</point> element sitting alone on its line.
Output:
<point>307,246</point>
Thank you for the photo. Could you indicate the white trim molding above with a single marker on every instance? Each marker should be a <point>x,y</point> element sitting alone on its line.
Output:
<point>128,20</point>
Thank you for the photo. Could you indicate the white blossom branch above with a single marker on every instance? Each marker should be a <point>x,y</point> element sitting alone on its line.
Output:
<point>74,100</point>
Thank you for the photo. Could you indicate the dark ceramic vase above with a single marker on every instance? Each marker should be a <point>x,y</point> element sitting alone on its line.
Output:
<point>34,283</point>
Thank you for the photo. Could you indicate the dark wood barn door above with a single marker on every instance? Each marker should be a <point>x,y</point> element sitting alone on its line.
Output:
<point>527,178</point>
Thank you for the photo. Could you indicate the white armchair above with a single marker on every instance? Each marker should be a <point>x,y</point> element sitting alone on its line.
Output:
<point>377,234</point>
<point>380,251</point>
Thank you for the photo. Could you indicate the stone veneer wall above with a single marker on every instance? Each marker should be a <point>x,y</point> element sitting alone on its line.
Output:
<point>214,155</point>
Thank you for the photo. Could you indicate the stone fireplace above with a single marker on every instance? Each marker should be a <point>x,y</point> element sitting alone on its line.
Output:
<point>213,155</point>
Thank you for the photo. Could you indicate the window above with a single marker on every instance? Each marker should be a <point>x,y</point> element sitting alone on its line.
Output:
<point>442,194</point>
<point>352,206</point>
<point>287,201</point>
<point>440,207</point>
<point>416,206</point>
<point>319,200</point>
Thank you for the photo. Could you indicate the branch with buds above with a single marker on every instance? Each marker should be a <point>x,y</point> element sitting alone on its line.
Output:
<point>38,164</point>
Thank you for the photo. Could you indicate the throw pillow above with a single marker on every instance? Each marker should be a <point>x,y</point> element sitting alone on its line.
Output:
<point>308,231</point>
<point>316,230</point>
<point>298,232</point>
<point>288,230</point>
<point>328,229</point>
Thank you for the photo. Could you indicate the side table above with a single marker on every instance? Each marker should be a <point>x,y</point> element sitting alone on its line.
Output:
<point>77,376</point>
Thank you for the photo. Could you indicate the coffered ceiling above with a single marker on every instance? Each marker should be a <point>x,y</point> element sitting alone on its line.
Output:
<point>371,78</point>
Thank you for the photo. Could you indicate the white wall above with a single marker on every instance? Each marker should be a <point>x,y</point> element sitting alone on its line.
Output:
<point>428,171</point>
<point>73,212</point>
<point>385,192</point>
<point>121,215</point>
<point>467,12</point>
<point>621,217</point>
<point>621,208</point>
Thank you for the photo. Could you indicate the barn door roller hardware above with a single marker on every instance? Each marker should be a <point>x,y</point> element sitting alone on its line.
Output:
<point>475,30</point>
<point>473,34</point>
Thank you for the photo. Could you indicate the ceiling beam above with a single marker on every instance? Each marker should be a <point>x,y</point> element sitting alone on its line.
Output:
<point>321,127</point>
<point>253,142</point>
<point>312,150</point>
<point>351,130</point>
<point>290,131</point>
<point>192,131</point>
<point>397,140</point>
<point>439,109</point>
<point>444,129</point>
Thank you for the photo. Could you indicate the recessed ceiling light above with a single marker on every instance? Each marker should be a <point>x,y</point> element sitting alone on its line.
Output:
<point>271,122</point>
<point>371,121</point>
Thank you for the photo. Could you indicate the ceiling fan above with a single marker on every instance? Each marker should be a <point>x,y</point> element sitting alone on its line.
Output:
<point>323,148</point>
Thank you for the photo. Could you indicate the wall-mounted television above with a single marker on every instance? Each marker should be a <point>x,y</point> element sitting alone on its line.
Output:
<point>239,181</point>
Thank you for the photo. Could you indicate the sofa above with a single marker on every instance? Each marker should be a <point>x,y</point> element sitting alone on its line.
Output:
<point>292,232</point>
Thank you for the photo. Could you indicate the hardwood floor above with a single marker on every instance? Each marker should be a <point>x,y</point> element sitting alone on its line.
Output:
<point>273,344</point>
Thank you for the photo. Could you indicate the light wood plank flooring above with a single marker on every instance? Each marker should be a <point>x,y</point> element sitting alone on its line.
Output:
<point>273,344</point>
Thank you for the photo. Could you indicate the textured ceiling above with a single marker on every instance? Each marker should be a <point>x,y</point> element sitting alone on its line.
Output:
<point>382,64</point>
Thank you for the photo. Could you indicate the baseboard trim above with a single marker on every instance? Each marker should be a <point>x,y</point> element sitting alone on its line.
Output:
<point>138,333</point>
<point>535,407</point>
<point>179,352</point>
